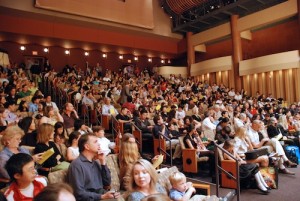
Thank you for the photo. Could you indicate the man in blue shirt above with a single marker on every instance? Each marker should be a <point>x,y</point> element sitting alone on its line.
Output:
<point>88,174</point>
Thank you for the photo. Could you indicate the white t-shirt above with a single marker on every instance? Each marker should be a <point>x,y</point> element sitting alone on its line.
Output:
<point>74,151</point>
<point>105,145</point>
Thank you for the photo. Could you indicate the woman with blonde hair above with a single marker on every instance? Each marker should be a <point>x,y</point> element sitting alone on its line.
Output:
<point>44,143</point>
<point>143,181</point>
<point>11,139</point>
<point>129,154</point>
<point>243,144</point>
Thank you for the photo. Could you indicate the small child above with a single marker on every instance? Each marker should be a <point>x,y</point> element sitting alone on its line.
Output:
<point>105,145</point>
<point>182,190</point>
<point>26,184</point>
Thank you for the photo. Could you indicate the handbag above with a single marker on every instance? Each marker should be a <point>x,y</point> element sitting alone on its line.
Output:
<point>255,153</point>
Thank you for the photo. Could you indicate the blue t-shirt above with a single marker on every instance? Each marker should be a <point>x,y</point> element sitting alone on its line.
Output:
<point>175,194</point>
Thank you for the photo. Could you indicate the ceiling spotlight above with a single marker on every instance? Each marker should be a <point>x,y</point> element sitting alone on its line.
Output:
<point>67,52</point>
<point>169,61</point>
<point>162,61</point>
<point>135,58</point>
<point>150,60</point>
<point>86,54</point>
<point>104,55</point>
<point>46,49</point>
<point>171,17</point>
<point>121,57</point>
<point>22,48</point>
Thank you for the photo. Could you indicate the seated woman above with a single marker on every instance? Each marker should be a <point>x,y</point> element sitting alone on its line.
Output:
<point>11,139</point>
<point>129,154</point>
<point>143,181</point>
<point>51,116</point>
<point>192,140</point>
<point>27,124</point>
<point>242,144</point>
<point>44,143</point>
<point>247,170</point>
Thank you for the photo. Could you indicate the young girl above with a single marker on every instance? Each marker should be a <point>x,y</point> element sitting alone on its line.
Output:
<point>247,170</point>
<point>73,150</point>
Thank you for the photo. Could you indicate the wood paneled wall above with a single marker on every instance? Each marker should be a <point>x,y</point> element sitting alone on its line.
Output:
<point>281,84</point>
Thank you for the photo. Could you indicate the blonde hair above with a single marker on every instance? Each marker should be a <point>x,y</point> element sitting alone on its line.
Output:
<point>150,170</point>
<point>10,132</point>
<point>44,133</point>
<point>128,155</point>
<point>240,132</point>
<point>176,177</point>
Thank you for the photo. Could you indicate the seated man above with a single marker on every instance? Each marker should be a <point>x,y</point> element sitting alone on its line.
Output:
<point>88,174</point>
<point>26,184</point>
<point>271,143</point>
<point>160,129</point>
<point>145,126</point>
<point>123,118</point>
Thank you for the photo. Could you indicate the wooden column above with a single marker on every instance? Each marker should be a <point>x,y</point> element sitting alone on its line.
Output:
<point>190,53</point>
<point>234,78</point>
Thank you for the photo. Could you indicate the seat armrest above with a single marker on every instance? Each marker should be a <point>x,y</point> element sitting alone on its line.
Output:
<point>202,186</point>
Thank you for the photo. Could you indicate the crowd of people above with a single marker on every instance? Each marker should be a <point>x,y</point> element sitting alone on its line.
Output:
<point>160,107</point>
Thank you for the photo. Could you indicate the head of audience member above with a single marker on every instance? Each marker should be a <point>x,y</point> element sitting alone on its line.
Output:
<point>11,137</point>
<point>129,99</point>
<point>23,106</point>
<point>2,100</point>
<point>99,131</point>
<point>256,125</point>
<point>20,168</point>
<point>107,101</point>
<point>143,114</point>
<point>224,122</point>
<point>12,92</point>
<point>156,197</point>
<point>226,130</point>
<point>35,99</point>
<point>45,133</point>
<point>158,120</point>
<point>73,138</point>
<point>229,145</point>
<point>88,144</point>
<point>56,192</point>
<point>27,124</point>
<point>48,99</point>
<point>24,88</point>
<point>143,176</point>
<point>272,130</point>
<point>124,111</point>
<point>243,117</point>
<point>11,106</point>
<point>49,111</point>
<point>59,128</point>
<point>129,152</point>
<point>178,181</point>
<point>240,132</point>
<point>68,108</point>
<point>3,113</point>
<point>273,121</point>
